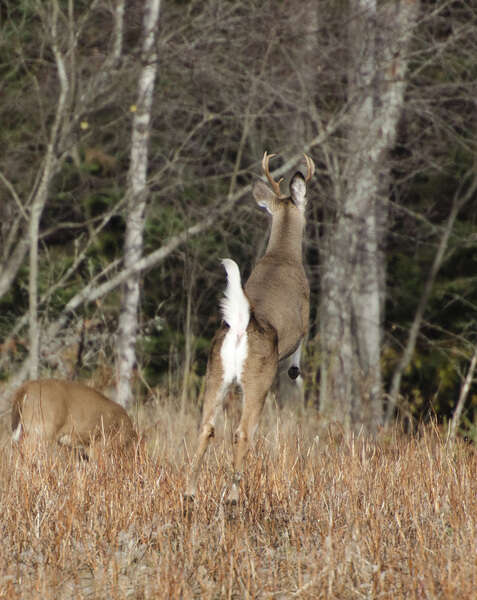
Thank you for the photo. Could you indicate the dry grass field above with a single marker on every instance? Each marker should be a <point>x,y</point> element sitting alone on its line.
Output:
<point>322,516</point>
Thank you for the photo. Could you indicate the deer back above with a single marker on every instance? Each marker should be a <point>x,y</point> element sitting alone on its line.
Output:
<point>67,412</point>
<point>279,296</point>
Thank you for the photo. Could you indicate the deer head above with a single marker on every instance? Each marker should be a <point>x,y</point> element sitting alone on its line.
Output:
<point>68,413</point>
<point>273,199</point>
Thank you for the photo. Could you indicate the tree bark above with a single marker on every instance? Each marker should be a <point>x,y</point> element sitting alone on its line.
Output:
<point>352,274</point>
<point>137,195</point>
<point>464,392</point>
<point>41,196</point>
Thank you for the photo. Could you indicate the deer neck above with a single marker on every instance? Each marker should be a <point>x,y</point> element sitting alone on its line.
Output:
<point>287,234</point>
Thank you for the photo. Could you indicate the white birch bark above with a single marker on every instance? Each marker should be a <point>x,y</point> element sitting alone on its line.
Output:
<point>118,31</point>
<point>351,308</point>
<point>137,195</point>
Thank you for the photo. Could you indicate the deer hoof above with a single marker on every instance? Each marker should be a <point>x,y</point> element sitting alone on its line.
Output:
<point>188,505</point>
<point>231,509</point>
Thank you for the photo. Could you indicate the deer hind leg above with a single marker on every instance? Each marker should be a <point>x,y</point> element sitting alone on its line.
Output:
<point>257,379</point>
<point>215,391</point>
<point>212,405</point>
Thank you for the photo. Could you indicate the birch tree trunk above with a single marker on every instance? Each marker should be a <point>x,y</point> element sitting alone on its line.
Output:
<point>352,274</point>
<point>137,195</point>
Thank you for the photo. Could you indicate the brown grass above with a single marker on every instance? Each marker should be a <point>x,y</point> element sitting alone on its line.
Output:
<point>321,517</point>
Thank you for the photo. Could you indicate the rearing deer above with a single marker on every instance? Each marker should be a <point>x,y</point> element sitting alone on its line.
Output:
<point>264,324</point>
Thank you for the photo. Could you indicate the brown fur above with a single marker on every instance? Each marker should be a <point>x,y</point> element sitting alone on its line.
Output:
<point>69,413</point>
<point>279,294</point>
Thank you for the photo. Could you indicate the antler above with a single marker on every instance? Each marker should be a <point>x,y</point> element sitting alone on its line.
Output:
<point>310,166</point>
<point>275,184</point>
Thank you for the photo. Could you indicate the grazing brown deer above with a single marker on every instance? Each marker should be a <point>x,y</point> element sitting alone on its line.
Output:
<point>69,413</point>
<point>263,324</point>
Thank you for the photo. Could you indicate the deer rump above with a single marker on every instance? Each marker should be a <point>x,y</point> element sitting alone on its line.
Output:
<point>69,413</point>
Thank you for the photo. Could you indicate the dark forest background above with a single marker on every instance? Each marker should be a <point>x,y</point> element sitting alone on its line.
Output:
<point>235,78</point>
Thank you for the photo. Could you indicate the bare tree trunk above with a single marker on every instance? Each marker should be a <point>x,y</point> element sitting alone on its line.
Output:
<point>41,195</point>
<point>34,332</point>
<point>13,255</point>
<point>118,31</point>
<point>305,58</point>
<point>188,341</point>
<point>34,226</point>
<point>352,275</point>
<point>137,195</point>
<point>464,392</point>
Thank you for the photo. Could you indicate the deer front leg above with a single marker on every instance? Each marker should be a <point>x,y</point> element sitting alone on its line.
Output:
<point>215,390</point>
<point>293,362</point>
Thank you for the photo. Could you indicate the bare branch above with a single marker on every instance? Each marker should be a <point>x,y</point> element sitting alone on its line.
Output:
<point>457,204</point>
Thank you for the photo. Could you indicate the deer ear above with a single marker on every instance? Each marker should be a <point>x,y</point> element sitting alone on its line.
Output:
<point>298,190</point>
<point>264,196</point>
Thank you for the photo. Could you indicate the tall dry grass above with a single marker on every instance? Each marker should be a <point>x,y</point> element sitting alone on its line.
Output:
<point>321,517</point>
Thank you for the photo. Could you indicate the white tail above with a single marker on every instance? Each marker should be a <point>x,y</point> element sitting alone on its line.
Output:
<point>236,313</point>
<point>235,306</point>
<point>264,324</point>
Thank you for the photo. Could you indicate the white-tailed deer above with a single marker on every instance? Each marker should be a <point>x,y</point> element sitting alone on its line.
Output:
<point>263,324</point>
<point>69,413</point>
